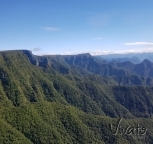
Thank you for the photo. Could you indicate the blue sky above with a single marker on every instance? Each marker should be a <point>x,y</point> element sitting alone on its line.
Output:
<point>76,26</point>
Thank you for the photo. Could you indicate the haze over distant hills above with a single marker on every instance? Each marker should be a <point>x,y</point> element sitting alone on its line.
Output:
<point>132,57</point>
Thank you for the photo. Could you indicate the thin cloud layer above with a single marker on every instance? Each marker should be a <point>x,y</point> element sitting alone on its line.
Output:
<point>51,29</point>
<point>97,38</point>
<point>121,51</point>
<point>139,44</point>
<point>104,52</point>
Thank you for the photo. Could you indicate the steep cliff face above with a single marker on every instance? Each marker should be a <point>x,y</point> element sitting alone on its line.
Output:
<point>125,73</point>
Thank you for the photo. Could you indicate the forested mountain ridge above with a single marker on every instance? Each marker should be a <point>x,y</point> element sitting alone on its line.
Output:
<point>95,65</point>
<point>71,99</point>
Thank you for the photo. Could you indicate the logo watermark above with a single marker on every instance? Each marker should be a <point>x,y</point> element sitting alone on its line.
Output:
<point>136,132</point>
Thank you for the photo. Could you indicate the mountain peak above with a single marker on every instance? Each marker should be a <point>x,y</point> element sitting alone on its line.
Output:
<point>146,61</point>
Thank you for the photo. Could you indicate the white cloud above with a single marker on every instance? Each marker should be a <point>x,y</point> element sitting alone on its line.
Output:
<point>121,51</point>
<point>51,28</point>
<point>97,38</point>
<point>67,53</point>
<point>103,52</point>
<point>36,49</point>
<point>138,44</point>
<point>98,52</point>
<point>132,50</point>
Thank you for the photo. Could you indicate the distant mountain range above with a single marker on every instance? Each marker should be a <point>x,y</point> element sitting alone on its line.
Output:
<point>134,60</point>
<point>132,57</point>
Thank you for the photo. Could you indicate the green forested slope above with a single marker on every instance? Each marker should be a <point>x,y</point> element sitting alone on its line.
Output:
<point>45,100</point>
<point>56,123</point>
